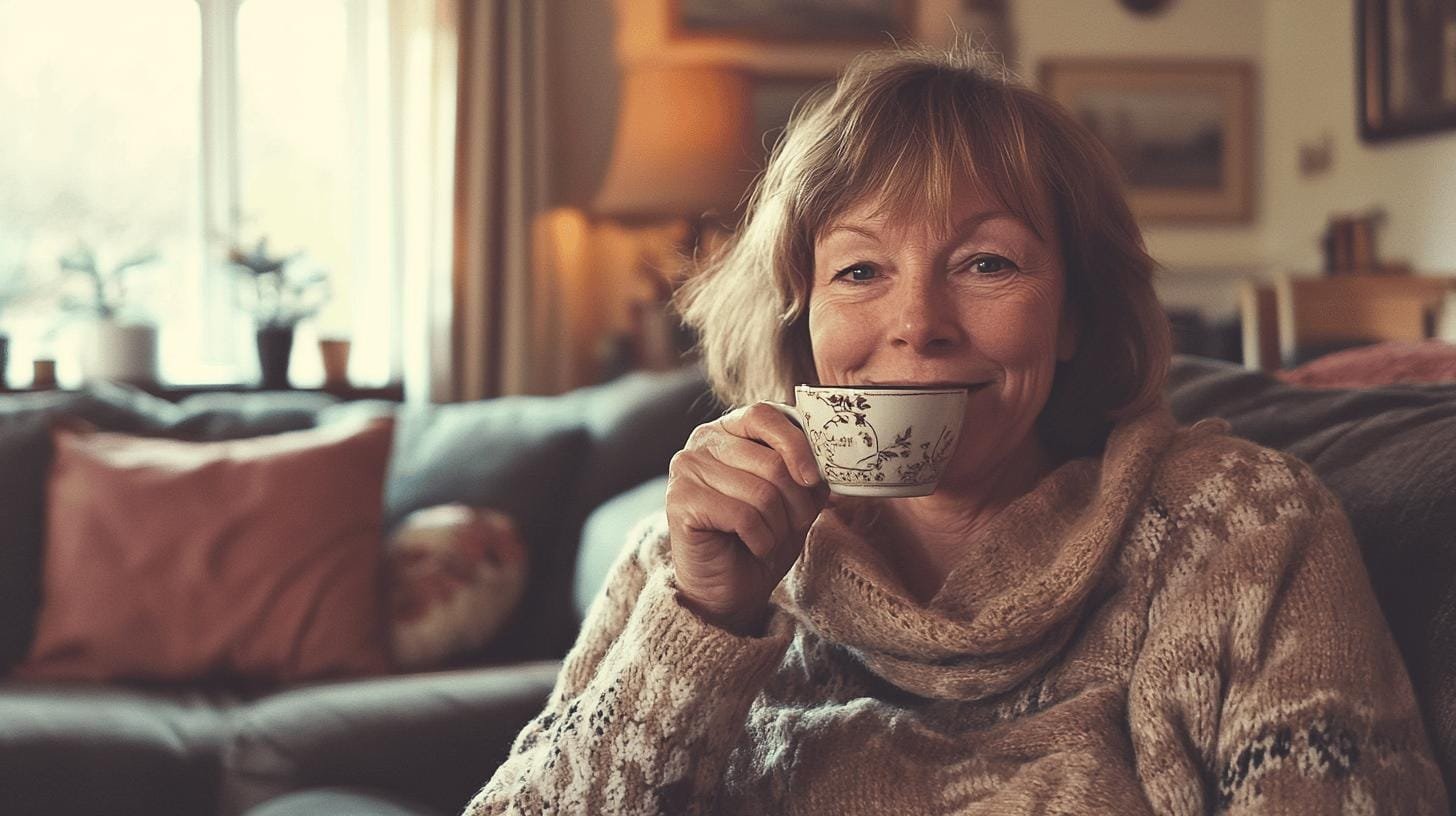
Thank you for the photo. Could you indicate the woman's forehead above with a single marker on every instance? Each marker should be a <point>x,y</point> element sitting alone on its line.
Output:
<point>968,206</point>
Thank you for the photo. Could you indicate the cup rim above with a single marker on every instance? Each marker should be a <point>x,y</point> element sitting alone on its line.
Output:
<point>885,389</point>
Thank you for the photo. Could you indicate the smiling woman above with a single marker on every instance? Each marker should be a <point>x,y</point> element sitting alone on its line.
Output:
<point>1096,610</point>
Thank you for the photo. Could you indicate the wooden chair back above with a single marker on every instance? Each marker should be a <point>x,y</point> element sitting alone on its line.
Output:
<point>1296,313</point>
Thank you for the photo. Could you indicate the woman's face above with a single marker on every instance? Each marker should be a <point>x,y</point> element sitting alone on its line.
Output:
<point>903,303</point>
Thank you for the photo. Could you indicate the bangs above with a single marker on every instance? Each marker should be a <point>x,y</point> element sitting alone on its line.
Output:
<point>912,140</point>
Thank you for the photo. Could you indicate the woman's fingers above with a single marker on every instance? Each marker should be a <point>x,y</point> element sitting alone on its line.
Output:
<point>725,498</point>
<point>801,503</point>
<point>762,423</point>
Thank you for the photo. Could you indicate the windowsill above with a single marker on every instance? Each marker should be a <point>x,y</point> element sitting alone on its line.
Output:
<point>176,393</point>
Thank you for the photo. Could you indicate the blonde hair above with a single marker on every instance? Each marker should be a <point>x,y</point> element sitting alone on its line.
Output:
<point>907,128</point>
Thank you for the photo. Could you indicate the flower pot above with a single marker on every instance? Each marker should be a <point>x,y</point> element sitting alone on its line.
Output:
<point>335,353</point>
<point>45,374</point>
<point>275,349</point>
<point>120,352</point>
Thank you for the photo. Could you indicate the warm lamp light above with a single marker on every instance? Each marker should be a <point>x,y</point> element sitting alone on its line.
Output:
<point>682,147</point>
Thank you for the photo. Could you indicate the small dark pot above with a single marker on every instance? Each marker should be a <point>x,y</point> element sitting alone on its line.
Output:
<point>4,362</point>
<point>275,347</point>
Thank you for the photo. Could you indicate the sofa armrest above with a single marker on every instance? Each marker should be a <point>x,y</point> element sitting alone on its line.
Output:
<point>432,738</point>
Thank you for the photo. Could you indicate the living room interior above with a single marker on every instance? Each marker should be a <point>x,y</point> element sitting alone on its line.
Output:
<point>394,278</point>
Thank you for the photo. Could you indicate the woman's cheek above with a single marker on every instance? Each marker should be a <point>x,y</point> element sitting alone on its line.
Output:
<point>839,339</point>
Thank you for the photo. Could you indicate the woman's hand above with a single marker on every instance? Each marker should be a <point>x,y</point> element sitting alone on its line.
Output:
<point>740,498</point>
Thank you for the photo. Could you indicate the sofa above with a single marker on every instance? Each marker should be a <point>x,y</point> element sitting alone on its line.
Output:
<point>423,741</point>
<point>420,744</point>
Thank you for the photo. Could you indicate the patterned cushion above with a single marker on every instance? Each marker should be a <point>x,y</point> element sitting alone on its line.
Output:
<point>456,574</point>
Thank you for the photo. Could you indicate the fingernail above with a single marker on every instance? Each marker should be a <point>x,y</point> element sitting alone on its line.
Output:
<point>809,476</point>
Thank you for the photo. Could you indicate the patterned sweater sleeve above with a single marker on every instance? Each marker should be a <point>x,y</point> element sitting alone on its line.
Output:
<point>1268,682</point>
<point>647,706</point>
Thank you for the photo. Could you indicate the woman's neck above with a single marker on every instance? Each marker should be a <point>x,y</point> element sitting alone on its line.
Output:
<point>928,535</point>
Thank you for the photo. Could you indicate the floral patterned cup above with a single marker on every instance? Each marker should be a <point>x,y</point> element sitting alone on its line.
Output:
<point>883,441</point>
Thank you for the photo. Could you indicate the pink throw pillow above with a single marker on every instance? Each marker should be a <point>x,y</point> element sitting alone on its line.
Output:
<point>456,574</point>
<point>1388,363</point>
<point>254,559</point>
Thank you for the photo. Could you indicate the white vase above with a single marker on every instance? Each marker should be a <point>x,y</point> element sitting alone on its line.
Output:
<point>119,352</point>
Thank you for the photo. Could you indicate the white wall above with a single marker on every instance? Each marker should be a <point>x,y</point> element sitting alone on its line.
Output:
<point>1310,91</point>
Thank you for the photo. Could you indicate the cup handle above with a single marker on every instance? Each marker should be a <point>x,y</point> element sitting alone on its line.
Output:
<point>789,411</point>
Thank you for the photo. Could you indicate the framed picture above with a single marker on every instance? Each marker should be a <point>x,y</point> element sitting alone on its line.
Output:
<point>772,100</point>
<point>850,21</point>
<point>1406,59</point>
<point>1181,131</point>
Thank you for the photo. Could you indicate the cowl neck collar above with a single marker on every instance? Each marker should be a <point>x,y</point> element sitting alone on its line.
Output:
<point>1009,606</point>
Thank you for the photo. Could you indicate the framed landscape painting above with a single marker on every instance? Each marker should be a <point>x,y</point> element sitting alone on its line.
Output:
<point>1180,131</point>
<point>849,21</point>
<point>1406,59</point>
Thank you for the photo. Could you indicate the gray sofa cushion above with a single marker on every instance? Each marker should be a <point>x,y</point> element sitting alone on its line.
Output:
<point>432,738</point>
<point>1387,453</point>
<point>83,749</point>
<point>519,455</point>
<point>344,802</point>
<point>606,532</point>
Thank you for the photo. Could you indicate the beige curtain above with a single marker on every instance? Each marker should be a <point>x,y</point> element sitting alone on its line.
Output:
<point>502,316</point>
<point>424,67</point>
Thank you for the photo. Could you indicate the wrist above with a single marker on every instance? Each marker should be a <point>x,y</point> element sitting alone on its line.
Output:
<point>752,623</point>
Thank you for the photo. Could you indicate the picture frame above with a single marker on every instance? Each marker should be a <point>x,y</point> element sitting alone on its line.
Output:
<point>1181,131</point>
<point>817,21</point>
<point>1406,64</point>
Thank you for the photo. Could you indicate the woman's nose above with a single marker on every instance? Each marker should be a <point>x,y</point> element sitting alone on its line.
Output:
<point>924,318</point>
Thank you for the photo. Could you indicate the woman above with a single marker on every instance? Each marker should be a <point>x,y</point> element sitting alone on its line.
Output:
<point>1096,612</point>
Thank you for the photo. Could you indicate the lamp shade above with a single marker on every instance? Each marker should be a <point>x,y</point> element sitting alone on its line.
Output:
<point>682,146</point>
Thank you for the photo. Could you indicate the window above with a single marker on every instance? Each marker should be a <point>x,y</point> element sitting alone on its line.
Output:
<point>183,127</point>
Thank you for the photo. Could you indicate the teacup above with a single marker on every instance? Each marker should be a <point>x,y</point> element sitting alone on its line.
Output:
<point>883,441</point>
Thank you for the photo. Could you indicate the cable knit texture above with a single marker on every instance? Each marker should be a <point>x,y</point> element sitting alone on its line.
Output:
<point>1183,626</point>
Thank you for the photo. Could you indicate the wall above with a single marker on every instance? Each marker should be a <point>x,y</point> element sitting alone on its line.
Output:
<point>1310,92</point>
<point>583,91</point>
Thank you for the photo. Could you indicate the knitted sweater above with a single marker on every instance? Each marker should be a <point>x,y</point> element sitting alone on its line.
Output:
<point>1182,626</point>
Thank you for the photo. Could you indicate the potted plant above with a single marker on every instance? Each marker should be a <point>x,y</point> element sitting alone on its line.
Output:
<point>278,299</point>
<point>122,343</point>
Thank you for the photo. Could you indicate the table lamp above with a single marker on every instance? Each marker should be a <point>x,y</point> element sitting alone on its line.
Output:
<point>683,153</point>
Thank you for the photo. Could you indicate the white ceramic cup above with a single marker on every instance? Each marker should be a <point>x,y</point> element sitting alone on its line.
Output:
<point>883,441</point>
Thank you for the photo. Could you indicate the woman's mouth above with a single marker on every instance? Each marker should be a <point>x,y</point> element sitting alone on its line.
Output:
<point>969,386</point>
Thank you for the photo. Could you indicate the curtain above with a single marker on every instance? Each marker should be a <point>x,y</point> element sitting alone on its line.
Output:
<point>472,139</point>
<point>424,48</point>
<point>504,324</point>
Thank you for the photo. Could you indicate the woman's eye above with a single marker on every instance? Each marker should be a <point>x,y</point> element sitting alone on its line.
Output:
<point>990,265</point>
<point>858,273</point>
